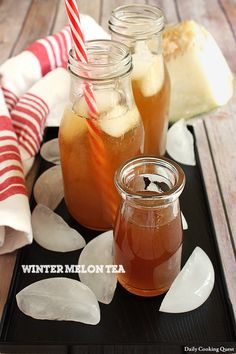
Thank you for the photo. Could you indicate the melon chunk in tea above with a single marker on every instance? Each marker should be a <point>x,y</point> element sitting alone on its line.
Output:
<point>115,118</point>
<point>60,299</point>
<point>200,76</point>
<point>53,233</point>
<point>148,70</point>
<point>119,121</point>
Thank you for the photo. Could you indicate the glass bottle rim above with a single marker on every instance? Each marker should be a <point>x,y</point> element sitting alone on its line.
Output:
<point>126,20</point>
<point>163,198</point>
<point>99,68</point>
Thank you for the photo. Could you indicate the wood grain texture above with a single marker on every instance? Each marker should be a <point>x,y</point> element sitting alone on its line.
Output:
<point>39,22</point>
<point>223,234</point>
<point>92,8</point>
<point>209,14</point>
<point>169,9</point>
<point>109,5</point>
<point>60,18</point>
<point>221,127</point>
<point>11,25</point>
<point>220,124</point>
<point>7,263</point>
<point>229,9</point>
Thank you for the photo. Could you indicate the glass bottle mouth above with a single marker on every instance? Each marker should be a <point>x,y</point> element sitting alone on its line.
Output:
<point>107,59</point>
<point>149,179</point>
<point>139,21</point>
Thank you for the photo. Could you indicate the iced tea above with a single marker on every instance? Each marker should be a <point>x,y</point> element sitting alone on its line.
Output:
<point>148,229</point>
<point>121,132</point>
<point>152,94</point>
<point>140,27</point>
<point>149,248</point>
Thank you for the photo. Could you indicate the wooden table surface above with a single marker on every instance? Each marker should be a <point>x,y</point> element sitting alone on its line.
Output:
<point>23,21</point>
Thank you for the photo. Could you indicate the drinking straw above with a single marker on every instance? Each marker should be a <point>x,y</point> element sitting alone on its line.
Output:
<point>97,146</point>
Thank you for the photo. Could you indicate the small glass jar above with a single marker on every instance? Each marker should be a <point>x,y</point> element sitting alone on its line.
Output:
<point>148,228</point>
<point>92,149</point>
<point>140,27</point>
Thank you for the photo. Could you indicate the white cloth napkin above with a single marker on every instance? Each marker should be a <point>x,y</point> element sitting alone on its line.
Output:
<point>31,111</point>
<point>19,73</point>
<point>15,223</point>
<point>35,92</point>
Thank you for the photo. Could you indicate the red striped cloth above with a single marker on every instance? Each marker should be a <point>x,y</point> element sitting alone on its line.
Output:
<point>31,111</point>
<point>13,193</point>
<point>19,73</point>
<point>30,98</point>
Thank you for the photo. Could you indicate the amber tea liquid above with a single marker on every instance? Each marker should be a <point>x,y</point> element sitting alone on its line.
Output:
<point>154,113</point>
<point>82,184</point>
<point>150,254</point>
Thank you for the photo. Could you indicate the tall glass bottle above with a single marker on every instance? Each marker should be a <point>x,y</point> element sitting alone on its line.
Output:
<point>92,148</point>
<point>140,27</point>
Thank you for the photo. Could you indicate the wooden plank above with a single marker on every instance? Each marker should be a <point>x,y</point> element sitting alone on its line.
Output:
<point>11,24</point>
<point>92,8</point>
<point>221,127</point>
<point>219,217</point>
<point>220,124</point>
<point>61,18</point>
<point>229,9</point>
<point>210,14</point>
<point>7,263</point>
<point>169,9</point>
<point>38,24</point>
<point>109,5</point>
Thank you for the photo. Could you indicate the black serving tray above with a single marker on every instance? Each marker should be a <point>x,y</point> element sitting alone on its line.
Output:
<point>130,324</point>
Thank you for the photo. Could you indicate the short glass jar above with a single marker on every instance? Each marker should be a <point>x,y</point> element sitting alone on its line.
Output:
<point>140,27</point>
<point>148,228</point>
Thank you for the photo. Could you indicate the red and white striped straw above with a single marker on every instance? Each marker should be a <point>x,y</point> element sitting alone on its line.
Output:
<point>80,50</point>
<point>97,146</point>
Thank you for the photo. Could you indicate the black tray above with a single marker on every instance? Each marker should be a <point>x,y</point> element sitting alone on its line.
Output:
<point>130,324</point>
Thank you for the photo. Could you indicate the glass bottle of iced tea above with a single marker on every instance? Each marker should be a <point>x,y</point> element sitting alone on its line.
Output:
<point>93,145</point>
<point>140,27</point>
<point>148,228</point>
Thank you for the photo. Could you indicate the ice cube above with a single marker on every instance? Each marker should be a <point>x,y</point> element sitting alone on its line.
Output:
<point>118,121</point>
<point>50,151</point>
<point>184,222</point>
<point>152,82</point>
<point>193,285</point>
<point>48,189</point>
<point>53,233</point>
<point>60,299</point>
<point>141,59</point>
<point>148,69</point>
<point>180,143</point>
<point>105,100</point>
<point>99,252</point>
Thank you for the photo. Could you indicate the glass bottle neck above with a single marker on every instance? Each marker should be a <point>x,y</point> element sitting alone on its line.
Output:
<point>137,22</point>
<point>107,60</point>
<point>149,181</point>
<point>140,27</point>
